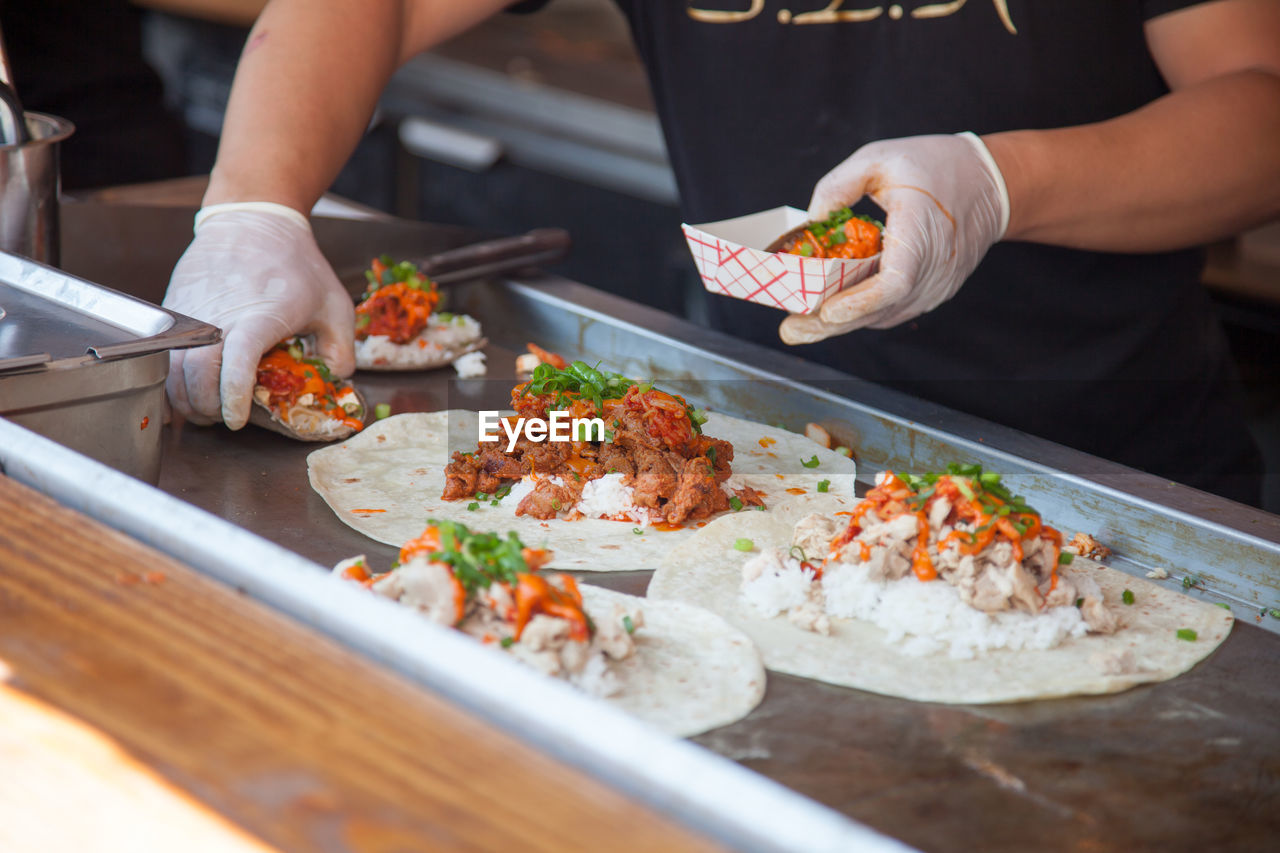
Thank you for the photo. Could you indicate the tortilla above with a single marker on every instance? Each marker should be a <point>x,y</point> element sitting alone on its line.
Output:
<point>705,570</point>
<point>692,671</point>
<point>386,482</point>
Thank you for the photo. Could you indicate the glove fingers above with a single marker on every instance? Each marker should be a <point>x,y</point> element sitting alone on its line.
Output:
<point>899,268</point>
<point>175,384</point>
<point>199,377</point>
<point>335,338</point>
<point>809,328</point>
<point>242,351</point>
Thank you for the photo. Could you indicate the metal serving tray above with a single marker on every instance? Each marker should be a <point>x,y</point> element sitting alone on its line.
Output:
<point>85,365</point>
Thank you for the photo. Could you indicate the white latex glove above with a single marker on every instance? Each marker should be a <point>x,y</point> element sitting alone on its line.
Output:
<point>945,203</point>
<point>253,270</point>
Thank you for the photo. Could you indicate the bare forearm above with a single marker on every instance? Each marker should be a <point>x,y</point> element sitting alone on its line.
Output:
<point>1197,165</point>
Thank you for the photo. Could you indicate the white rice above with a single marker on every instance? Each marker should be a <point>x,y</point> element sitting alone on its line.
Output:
<point>604,497</point>
<point>524,486</point>
<point>773,584</point>
<point>470,366</point>
<point>930,617</point>
<point>921,618</point>
<point>436,344</point>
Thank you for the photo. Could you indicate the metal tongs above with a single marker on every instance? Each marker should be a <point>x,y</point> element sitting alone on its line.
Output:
<point>490,257</point>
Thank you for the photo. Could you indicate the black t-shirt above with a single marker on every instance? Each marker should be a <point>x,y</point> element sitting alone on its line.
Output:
<point>1119,355</point>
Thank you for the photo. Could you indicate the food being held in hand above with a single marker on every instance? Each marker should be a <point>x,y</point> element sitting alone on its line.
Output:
<point>684,670</point>
<point>295,394</point>
<point>398,326</point>
<point>945,587</point>
<point>843,234</point>
<point>648,462</point>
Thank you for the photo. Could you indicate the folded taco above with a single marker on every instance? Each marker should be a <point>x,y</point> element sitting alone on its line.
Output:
<point>674,665</point>
<point>295,394</point>
<point>943,588</point>
<point>398,326</point>
<point>614,498</point>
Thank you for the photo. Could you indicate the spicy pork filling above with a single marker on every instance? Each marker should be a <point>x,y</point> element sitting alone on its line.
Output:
<point>1003,582</point>
<point>490,588</point>
<point>652,464</point>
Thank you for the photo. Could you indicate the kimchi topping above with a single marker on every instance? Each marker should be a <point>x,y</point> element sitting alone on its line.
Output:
<point>397,303</point>
<point>843,234</point>
<point>287,378</point>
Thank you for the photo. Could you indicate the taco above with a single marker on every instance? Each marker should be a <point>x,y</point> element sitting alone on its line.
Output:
<point>944,588</point>
<point>609,502</point>
<point>398,326</point>
<point>843,234</point>
<point>676,666</point>
<point>296,395</point>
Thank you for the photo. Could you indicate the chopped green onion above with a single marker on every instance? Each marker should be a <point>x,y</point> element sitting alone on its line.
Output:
<point>1079,601</point>
<point>736,503</point>
<point>382,410</point>
<point>811,462</point>
<point>1188,581</point>
<point>711,454</point>
<point>444,317</point>
<point>1224,605</point>
<point>743,544</point>
<point>482,496</point>
<point>507,642</point>
<point>1275,614</point>
<point>760,507</point>
<point>843,451</point>
<point>473,506</point>
<point>1127,596</point>
<point>494,502</point>
<point>1065,558</point>
<point>628,624</point>
<point>1187,634</point>
<point>637,531</point>
<point>964,487</point>
<point>824,485</point>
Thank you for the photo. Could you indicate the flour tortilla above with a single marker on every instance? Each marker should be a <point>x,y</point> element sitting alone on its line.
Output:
<point>386,482</point>
<point>692,671</point>
<point>705,570</point>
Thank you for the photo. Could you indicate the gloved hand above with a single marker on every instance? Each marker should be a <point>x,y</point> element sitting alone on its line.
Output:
<point>253,270</point>
<point>946,204</point>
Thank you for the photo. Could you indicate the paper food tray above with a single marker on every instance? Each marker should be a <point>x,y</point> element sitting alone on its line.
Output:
<point>730,262</point>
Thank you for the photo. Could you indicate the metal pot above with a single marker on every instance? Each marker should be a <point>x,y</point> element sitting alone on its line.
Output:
<point>29,184</point>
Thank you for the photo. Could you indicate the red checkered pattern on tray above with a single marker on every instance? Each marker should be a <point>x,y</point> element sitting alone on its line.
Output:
<point>790,282</point>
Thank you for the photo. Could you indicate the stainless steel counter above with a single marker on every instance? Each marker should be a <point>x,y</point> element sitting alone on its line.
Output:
<point>1188,764</point>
